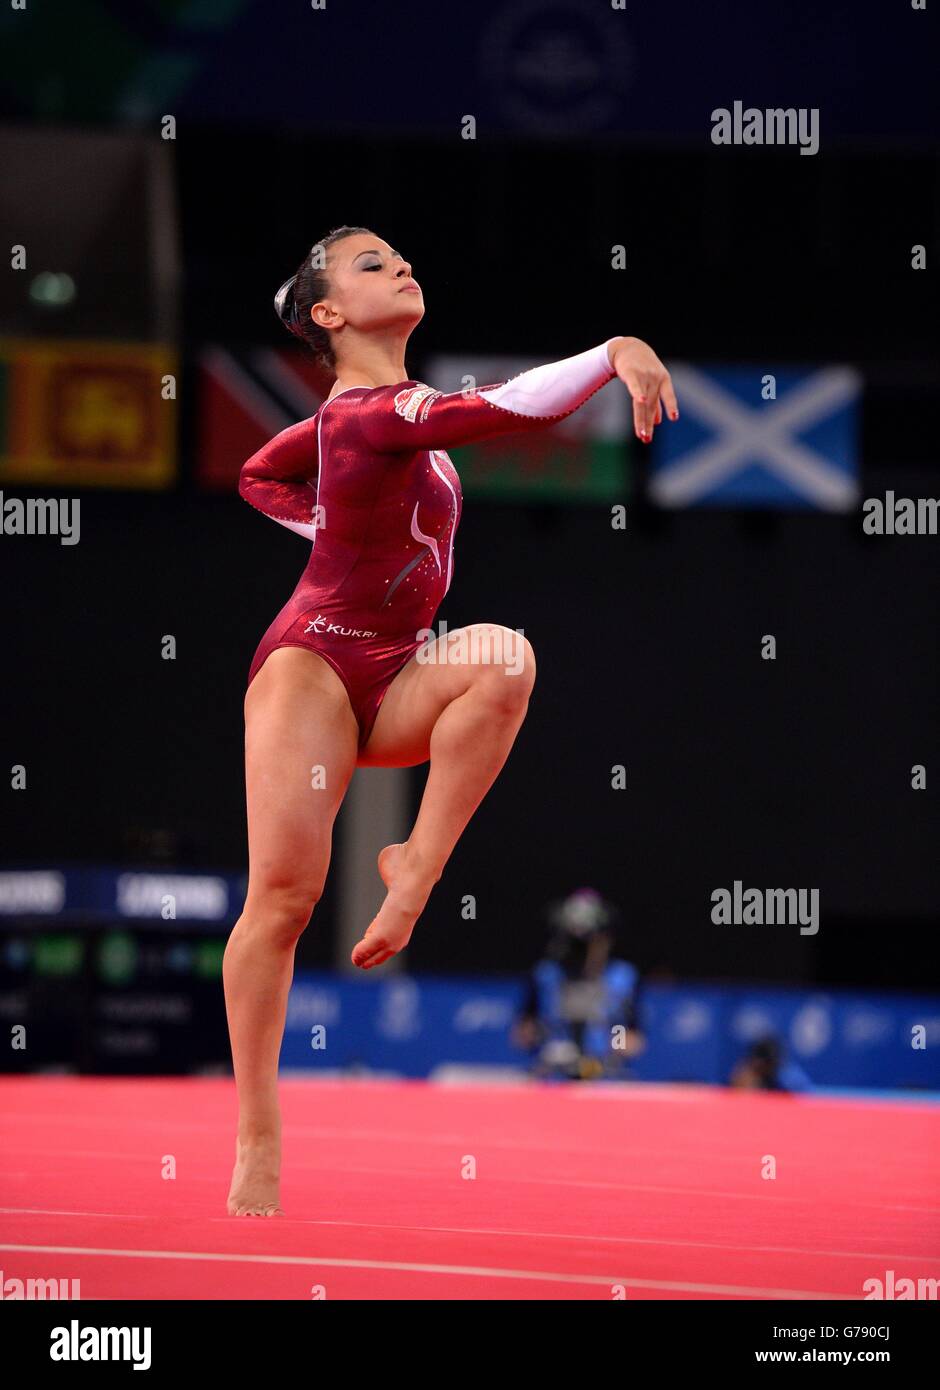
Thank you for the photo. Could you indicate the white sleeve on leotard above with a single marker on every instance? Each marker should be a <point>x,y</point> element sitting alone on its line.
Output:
<point>556,387</point>
<point>413,415</point>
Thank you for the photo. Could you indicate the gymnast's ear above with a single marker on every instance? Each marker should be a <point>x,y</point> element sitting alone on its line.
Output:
<point>324,317</point>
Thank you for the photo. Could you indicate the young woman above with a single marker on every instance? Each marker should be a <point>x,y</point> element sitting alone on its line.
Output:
<point>342,677</point>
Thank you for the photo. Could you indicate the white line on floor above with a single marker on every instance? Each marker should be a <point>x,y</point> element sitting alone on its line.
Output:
<point>473,1271</point>
<point>474,1230</point>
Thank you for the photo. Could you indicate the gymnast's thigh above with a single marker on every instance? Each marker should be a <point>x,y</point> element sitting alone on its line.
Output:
<point>301,739</point>
<point>435,676</point>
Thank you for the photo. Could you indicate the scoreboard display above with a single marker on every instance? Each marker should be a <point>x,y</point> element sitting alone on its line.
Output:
<point>101,991</point>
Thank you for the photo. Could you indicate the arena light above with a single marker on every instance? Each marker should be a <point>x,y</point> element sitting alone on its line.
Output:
<point>52,289</point>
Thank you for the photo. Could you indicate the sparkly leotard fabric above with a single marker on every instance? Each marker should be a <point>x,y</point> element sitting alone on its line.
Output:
<point>368,481</point>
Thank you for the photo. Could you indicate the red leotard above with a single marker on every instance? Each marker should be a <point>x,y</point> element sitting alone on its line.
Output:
<point>368,481</point>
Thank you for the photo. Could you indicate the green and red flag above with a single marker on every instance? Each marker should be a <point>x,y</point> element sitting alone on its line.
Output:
<point>584,458</point>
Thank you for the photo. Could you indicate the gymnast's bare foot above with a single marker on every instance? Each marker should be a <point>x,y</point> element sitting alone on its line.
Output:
<point>409,886</point>
<point>255,1189</point>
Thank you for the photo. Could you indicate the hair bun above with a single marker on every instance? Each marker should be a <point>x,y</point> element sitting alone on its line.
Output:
<point>285,305</point>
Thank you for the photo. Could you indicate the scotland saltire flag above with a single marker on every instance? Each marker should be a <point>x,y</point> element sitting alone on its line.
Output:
<point>732,448</point>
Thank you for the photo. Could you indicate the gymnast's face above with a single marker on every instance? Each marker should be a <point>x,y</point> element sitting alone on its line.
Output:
<point>371,287</point>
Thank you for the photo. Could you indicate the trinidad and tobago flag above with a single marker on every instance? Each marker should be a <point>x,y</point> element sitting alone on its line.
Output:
<point>246,396</point>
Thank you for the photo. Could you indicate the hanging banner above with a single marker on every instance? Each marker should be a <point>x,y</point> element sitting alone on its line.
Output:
<point>246,397</point>
<point>585,457</point>
<point>779,438</point>
<point>87,414</point>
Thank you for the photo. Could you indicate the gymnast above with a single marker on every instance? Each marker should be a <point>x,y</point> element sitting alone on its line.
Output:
<point>342,677</point>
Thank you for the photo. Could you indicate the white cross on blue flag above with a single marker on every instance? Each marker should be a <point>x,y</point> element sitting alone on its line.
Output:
<point>732,448</point>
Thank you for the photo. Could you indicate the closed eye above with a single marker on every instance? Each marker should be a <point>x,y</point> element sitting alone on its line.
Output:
<point>377,265</point>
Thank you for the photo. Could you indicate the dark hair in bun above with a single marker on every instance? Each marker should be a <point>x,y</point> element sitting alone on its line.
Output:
<point>297,296</point>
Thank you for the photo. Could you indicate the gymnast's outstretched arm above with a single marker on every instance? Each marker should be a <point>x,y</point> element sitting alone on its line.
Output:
<point>413,415</point>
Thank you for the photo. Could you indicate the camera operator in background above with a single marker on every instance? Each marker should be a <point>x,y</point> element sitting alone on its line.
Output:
<point>579,1018</point>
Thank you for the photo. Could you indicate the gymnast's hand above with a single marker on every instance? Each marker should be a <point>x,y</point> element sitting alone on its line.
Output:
<point>648,382</point>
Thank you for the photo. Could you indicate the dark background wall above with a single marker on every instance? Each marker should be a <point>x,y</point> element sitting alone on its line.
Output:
<point>793,772</point>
